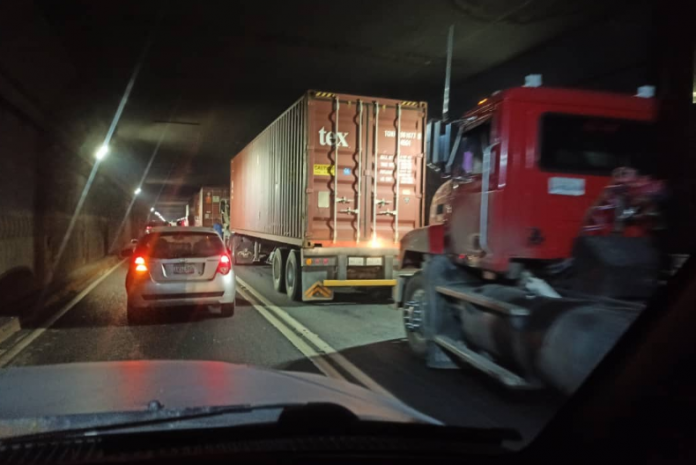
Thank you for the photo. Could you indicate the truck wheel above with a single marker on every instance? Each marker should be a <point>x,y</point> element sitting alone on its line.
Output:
<point>279,257</point>
<point>414,308</point>
<point>293,276</point>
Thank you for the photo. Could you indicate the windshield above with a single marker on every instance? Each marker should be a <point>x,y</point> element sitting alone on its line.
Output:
<point>459,206</point>
<point>595,145</point>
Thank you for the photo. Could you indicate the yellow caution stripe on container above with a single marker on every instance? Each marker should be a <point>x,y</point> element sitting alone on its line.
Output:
<point>358,282</point>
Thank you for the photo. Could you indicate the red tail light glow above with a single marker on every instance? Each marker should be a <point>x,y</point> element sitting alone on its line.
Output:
<point>224,265</point>
<point>140,264</point>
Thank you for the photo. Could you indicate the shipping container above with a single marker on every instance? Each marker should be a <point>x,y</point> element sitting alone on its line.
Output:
<point>322,182</point>
<point>205,205</point>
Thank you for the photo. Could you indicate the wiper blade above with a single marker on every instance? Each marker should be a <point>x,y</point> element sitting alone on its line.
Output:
<point>151,417</point>
<point>298,418</point>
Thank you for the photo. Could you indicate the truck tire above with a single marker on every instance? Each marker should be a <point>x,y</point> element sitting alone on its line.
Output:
<point>293,276</point>
<point>577,341</point>
<point>280,256</point>
<point>414,308</point>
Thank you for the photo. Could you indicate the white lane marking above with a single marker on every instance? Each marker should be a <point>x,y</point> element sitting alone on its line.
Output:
<point>322,346</point>
<point>14,351</point>
<point>309,352</point>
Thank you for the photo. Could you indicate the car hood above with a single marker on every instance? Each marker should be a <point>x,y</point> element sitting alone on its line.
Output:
<point>107,387</point>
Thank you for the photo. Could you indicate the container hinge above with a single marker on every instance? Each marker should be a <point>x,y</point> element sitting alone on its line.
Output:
<point>388,212</point>
<point>343,200</point>
<point>382,202</point>
<point>353,211</point>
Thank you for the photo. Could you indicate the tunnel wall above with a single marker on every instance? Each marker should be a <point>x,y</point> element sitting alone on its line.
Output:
<point>44,166</point>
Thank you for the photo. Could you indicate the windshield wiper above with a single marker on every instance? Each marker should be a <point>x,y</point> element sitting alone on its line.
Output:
<point>300,418</point>
<point>156,414</point>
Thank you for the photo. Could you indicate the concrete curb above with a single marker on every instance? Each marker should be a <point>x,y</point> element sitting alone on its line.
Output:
<point>77,280</point>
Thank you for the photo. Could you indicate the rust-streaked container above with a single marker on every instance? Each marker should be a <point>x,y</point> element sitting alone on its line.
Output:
<point>283,183</point>
<point>206,205</point>
<point>321,185</point>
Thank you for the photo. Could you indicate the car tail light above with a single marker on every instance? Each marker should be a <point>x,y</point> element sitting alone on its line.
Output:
<point>140,264</point>
<point>224,265</point>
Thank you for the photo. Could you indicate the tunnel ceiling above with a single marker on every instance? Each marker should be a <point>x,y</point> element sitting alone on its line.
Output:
<point>220,71</point>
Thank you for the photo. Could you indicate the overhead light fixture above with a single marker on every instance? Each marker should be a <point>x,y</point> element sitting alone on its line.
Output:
<point>152,209</point>
<point>137,191</point>
<point>101,152</point>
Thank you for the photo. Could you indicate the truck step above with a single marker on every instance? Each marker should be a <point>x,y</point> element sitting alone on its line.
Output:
<point>478,361</point>
<point>464,292</point>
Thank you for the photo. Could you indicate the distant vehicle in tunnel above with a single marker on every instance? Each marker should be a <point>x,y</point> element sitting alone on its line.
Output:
<point>179,266</point>
<point>154,224</point>
<point>207,205</point>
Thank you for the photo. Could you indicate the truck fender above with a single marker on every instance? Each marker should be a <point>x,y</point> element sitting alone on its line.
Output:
<point>421,241</point>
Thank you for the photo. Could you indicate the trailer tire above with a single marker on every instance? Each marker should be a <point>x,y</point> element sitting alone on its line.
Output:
<point>280,256</point>
<point>415,300</point>
<point>293,276</point>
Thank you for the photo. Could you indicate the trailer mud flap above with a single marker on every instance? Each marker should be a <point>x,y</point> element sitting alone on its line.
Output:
<point>313,288</point>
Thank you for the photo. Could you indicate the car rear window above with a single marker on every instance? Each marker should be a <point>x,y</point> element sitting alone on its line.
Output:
<point>182,245</point>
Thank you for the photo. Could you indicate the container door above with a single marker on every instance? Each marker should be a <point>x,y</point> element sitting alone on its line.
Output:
<point>393,192</point>
<point>336,148</point>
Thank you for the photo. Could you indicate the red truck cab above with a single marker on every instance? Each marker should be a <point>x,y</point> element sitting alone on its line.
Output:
<point>525,167</point>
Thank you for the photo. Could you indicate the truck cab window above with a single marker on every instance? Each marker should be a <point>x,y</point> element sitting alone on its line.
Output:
<point>581,144</point>
<point>469,157</point>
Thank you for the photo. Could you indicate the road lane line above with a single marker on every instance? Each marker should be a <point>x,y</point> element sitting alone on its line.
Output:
<point>322,346</point>
<point>315,357</point>
<point>15,350</point>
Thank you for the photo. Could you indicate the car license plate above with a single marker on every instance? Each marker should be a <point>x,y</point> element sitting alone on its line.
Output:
<point>184,269</point>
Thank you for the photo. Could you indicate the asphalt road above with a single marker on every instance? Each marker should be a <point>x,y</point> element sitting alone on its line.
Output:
<point>366,337</point>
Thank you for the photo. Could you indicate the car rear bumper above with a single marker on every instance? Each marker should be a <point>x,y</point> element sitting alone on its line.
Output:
<point>148,293</point>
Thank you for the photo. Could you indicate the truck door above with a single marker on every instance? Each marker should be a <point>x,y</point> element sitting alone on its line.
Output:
<point>466,168</point>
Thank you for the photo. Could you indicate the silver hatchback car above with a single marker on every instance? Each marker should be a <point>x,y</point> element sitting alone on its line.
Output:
<point>177,266</point>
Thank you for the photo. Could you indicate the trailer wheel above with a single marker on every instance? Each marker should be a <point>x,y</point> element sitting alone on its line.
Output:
<point>414,308</point>
<point>280,255</point>
<point>293,276</point>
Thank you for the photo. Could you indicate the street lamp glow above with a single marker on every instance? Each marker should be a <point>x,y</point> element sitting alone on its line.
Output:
<point>137,191</point>
<point>101,152</point>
